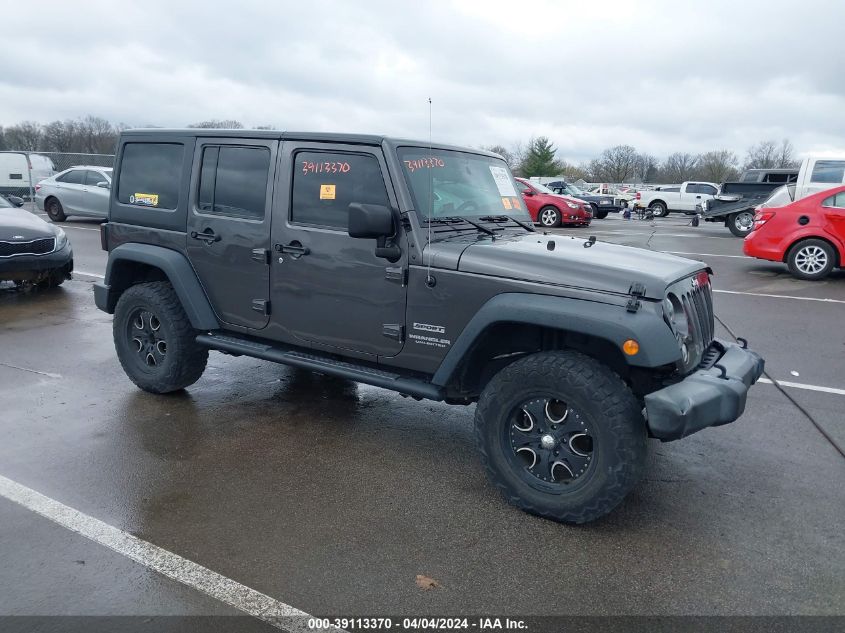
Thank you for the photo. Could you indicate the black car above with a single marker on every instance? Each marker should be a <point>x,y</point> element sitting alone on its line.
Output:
<point>602,205</point>
<point>31,250</point>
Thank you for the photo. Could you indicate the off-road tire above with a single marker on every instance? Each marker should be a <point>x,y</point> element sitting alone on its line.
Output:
<point>550,211</point>
<point>737,220</point>
<point>792,259</point>
<point>605,403</point>
<point>601,215</point>
<point>54,210</point>
<point>659,209</point>
<point>184,361</point>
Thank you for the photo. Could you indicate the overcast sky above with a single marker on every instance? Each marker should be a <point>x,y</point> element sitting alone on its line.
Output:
<point>662,76</point>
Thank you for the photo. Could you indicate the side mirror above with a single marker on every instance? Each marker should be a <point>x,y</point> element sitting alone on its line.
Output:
<point>374,221</point>
<point>104,184</point>
<point>15,200</point>
<point>528,192</point>
<point>370,220</point>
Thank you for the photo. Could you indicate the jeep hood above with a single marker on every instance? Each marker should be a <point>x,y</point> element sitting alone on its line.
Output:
<point>564,261</point>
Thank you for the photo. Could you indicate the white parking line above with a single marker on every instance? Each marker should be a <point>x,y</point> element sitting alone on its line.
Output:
<point>800,385</point>
<point>78,228</point>
<point>31,371</point>
<point>84,274</point>
<point>158,559</point>
<point>761,294</point>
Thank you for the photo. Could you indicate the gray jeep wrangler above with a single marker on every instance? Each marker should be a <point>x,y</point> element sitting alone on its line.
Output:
<point>415,268</point>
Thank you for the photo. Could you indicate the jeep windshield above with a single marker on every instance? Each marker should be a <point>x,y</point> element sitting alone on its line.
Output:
<point>448,184</point>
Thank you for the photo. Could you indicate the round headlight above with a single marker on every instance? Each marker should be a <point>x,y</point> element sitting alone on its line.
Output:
<point>676,316</point>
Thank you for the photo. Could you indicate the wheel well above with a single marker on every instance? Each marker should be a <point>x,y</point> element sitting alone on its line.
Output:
<point>654,202</point>
<point>837,258</point>
<point>125,273</point>
<point>503,343</point>
<point>51,197</point>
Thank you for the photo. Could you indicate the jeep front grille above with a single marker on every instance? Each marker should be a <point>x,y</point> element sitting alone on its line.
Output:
<point>33,247</point>
<point>699,300</point>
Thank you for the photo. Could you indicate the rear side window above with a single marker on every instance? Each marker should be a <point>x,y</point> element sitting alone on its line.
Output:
<point>837,201</point>
<point>325,184</point>
<point>233,181</point>
<point>829,171</point>
<point>150,173</point>
<point>710,190</point>
<point>73,177</point>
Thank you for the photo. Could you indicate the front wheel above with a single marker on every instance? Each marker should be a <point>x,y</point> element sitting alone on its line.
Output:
<point>601,215</point>
<point>155,342</point>
<point>740,224</point>
<point>561,436</point>
<point>811,259</point>
<point>549,217</point>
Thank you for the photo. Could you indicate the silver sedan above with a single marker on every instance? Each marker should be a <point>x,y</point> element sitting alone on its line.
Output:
<point>80,190</point>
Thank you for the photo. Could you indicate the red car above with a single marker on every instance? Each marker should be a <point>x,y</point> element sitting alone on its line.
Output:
<point>808,234</point>
<point>550,209</point>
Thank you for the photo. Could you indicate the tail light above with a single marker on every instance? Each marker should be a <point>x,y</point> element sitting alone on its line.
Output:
<point>638,196</point>
<point>37,187</point>
<point>761,217</point>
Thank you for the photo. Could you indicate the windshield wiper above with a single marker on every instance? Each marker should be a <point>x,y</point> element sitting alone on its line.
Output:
<point>504,218</point>
<point>456,218</point>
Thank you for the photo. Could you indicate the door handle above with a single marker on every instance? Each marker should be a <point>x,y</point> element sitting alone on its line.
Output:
<point>295,249</point>
<point>206,236</point>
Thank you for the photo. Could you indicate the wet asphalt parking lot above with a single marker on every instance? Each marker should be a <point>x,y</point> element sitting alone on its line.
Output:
<point>331,497</point>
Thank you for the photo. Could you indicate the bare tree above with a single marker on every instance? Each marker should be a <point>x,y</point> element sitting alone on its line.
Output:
<point>616,164</point>
<point>25,136</point>
<point>770,155</point>
<point>98,136</point>
<point>60,136</point>
<point>222,124</point>
<point>679,167</point>
<point>718,166</point>
<point>504,152</point>
<point>647,167</point>
<point>2,138</point>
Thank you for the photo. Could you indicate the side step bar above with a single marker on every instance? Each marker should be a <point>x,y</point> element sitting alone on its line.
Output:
<point>359,373</point>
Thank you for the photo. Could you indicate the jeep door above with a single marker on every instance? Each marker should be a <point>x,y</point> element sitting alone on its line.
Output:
<point>95,200</point>
<point>330,289</point>
<point>228,237</point>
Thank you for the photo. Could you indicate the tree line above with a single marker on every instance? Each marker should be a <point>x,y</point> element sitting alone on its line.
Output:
<point>537,157</point>
<point>624,164</point>
<point>86,135</point>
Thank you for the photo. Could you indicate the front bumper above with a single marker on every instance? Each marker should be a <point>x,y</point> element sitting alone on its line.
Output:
<point>14,267</point>
<point>707,397</point>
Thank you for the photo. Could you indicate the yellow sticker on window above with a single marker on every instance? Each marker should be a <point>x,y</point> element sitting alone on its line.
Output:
<point>506,202</point>
<point>327,192</point>
<point>145,199</point>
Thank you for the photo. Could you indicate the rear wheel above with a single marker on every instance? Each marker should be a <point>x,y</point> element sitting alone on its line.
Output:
<point>811,259</point>
<point>659,209</point>
<point>54,209</point>
<point>740,224</point>
<point>549,217</point>
<point>561,436</point>
<point>154,339</point>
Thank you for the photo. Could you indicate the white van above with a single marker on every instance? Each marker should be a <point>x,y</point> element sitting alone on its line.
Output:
<point>19,171</point>
<point>819,174</point>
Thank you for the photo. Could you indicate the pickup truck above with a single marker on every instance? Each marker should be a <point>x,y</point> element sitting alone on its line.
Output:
<point>736,202</point>
<point>684,197</point>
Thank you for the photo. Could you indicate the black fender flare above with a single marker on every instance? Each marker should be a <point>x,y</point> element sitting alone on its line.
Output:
<point>179,272</point>
<point>610,322</point>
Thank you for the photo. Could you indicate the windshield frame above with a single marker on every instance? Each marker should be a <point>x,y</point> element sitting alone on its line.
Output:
<point>419,152</point>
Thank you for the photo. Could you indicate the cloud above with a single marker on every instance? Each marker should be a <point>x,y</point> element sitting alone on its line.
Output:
<point>663,76</point>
